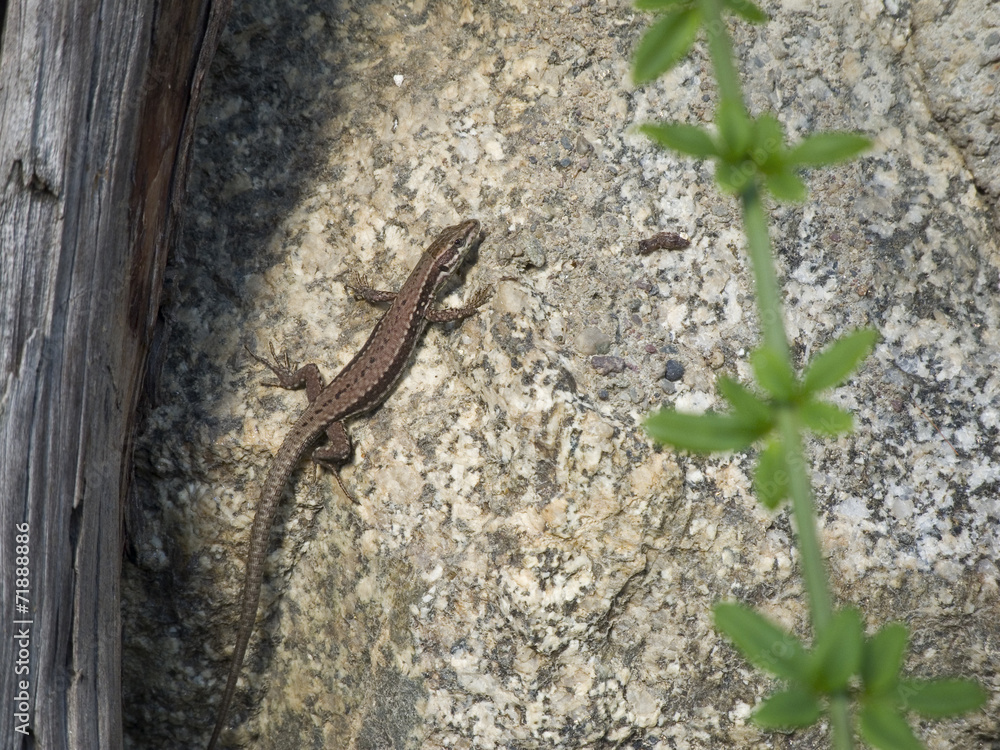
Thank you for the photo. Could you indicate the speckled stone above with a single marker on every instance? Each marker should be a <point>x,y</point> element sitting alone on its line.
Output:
<point>592,341</point>
<point>523,569</point>
<point>957,50</point>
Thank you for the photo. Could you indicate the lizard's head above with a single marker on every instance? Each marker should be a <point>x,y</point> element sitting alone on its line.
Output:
<point>450,248</point>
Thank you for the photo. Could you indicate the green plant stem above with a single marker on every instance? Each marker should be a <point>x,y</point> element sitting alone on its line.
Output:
<point>803,509</point>
<point>840,723</point>
<point>765,280</point>
<point>773,330</point>
<point>789,426</point>
<point>721,51</point>
<point>790,429</point>
<point>775,338</point>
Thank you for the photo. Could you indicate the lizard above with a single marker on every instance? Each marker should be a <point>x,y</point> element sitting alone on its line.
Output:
<point>363,384</point>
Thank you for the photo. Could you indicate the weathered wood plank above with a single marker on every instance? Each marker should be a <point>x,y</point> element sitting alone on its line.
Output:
<point>97,106</point>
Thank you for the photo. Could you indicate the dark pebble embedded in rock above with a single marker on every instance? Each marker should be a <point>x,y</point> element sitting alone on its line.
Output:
<point>607,365</point>
<point>674,371</point>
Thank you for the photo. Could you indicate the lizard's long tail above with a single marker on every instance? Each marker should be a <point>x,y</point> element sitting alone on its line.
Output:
<point>260,532</point>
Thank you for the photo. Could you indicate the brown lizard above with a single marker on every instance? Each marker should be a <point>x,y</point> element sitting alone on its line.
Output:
<point>361,386</point>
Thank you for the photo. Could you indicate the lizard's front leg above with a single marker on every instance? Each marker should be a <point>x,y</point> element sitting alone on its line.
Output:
<point>458,313</point>
<point>364,290</point>
<point>307,375</point>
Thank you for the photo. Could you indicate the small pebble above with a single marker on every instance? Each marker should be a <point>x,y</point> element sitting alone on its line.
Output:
<point>592,341</point>
<point>674,371</point>
<point>607,365</point>
<point>534,254</point>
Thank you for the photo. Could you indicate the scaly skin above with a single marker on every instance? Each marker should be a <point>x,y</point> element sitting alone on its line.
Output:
<point>360,387</point>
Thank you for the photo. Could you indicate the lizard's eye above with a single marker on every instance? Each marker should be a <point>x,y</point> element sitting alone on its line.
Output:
<point>455,255</point>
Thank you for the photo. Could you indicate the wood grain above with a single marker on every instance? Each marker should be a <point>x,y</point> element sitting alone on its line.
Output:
<point>97,108</point>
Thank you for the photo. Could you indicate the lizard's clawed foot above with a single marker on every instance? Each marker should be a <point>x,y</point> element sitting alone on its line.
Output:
<point>481,296</point>
<point>357,282</point>
<point>333,466</point>
<point>343,488</point>
<point>281,366</point>
<point>363,289</point>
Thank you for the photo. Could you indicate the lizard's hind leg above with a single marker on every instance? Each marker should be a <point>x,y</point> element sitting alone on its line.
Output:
<point>335,454</point>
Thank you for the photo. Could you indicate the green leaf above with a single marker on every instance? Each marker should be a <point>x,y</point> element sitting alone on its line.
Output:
<point>768,147</point>
<point>837,652</point>
<point>734,178</point>
<point>745,404</point>
<point>702,433</point>
<point>792,708</point>
<point>883,658</point>
<point>837,361</point>
<point>735,128</point>
<point>884,729</point>
<point>820,149</point>
<point>661,5</point>
<point>936,699</point>
<point>826,419</point>
<point>665,43</point>
<point>763,643</point>
<point>773,373</point>
<point>770,479</point>
<point>785,185</point>
<point>687,139</point>
<point>746,10</point>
